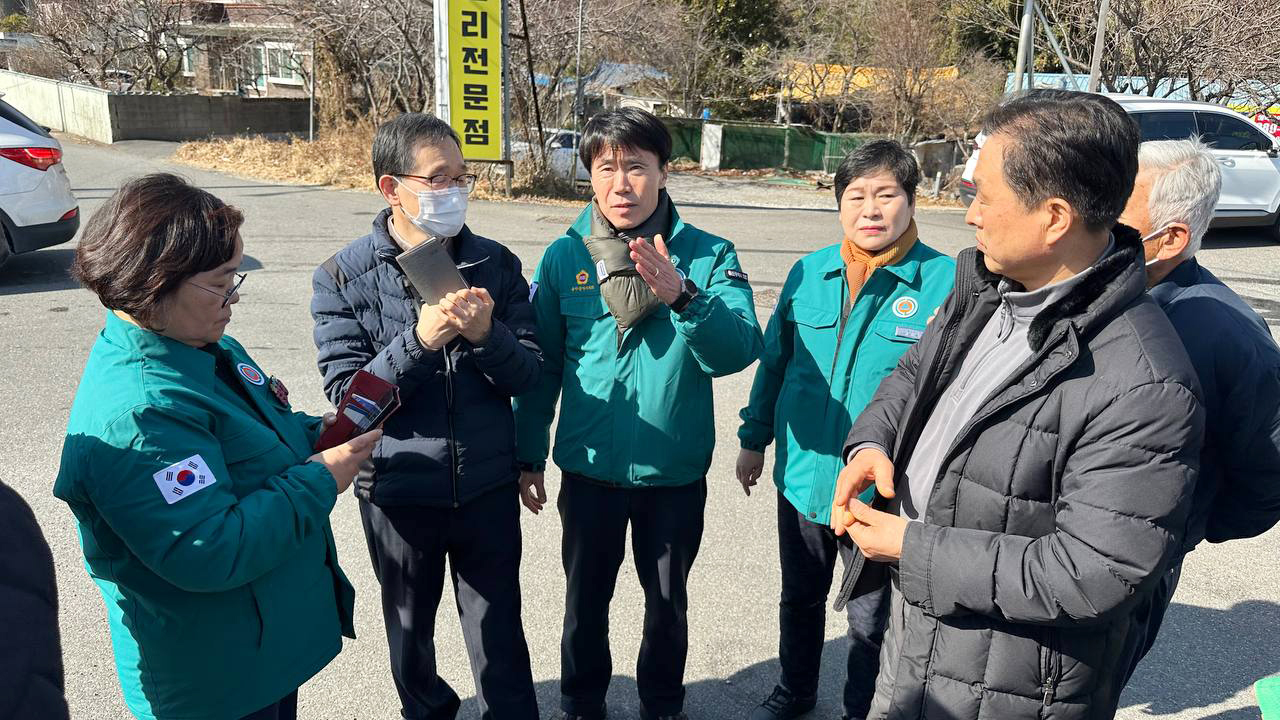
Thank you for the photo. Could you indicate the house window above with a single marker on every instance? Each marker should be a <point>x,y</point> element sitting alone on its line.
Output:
<point>281,64</point>
<point>187,51</point>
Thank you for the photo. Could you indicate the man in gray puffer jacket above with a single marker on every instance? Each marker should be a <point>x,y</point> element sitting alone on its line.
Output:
<point>1035,453</point>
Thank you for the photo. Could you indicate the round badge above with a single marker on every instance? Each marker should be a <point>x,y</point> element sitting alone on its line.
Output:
<point>583,277</point>
<point>186,477</point>
<point>250,373</point>
<point>905,307</point>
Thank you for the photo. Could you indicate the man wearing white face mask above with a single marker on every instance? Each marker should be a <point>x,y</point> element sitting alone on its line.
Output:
<point>1230,346</point>
<point>443,481</point>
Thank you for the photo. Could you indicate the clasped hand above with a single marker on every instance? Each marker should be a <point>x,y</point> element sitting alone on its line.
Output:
<point>877,534</point>
<point>467,312</point>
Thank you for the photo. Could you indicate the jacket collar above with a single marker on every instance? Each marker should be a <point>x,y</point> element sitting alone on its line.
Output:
<point>907,268</point>
<point>465,249</point>
<point>1115,280</point>
<point>1186,274</point>
<point>139,342</point>
<point>581,228</point>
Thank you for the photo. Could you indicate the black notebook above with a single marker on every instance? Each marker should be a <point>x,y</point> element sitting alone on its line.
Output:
<point>431,271</point>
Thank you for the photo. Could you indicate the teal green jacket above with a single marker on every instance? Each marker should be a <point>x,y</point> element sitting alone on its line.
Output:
<point>638,412</point>
<point>206,530</point>
<point>819,369</point>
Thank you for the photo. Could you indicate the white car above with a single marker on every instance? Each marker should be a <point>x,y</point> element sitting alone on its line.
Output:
<point>562,152</point>
<point>1249,156</point>
<point>37,208</point>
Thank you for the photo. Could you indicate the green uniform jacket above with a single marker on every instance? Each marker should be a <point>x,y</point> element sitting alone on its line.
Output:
<point>635,413</point>
<point>206,530</point>
<point>819,369</point>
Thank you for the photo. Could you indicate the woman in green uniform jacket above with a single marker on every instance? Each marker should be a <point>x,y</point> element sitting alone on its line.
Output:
<point>845,315</point>
<point>202,511</point>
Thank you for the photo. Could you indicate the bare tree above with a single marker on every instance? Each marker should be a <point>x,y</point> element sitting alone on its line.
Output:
<point>909,52</point>
<point>108,43</point>
<point>687,53</point>
<point>1209,49</point>
<point>959,101</point>
<point>372,59</point>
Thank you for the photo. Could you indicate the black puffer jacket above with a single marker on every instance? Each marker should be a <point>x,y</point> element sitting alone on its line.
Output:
<point>454,435</point>
<point>1057,507</point>
<point>30,653</point>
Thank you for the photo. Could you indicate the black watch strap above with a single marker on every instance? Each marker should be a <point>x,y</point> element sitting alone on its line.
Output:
<point>687,293</point>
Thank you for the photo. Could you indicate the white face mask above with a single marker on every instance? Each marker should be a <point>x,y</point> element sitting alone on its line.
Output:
<point>441,213</point>
<point>1153,236</point>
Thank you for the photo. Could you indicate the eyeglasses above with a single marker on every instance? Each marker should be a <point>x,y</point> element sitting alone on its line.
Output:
<point>443,182</point>
<point>226,297</point>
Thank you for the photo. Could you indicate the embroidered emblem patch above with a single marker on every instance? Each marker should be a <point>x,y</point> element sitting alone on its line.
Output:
<point>905,307</point>
<point>250,373</point>
<point>184,479</point>
<point>583,278</point>
<point>280,391</point>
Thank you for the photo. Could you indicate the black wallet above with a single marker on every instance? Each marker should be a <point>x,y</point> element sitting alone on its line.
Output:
<point>431,271</point>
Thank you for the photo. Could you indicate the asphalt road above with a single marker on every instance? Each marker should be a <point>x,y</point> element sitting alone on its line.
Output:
<point>1219,637</point>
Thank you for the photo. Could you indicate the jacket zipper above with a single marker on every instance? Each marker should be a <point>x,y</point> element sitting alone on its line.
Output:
<point>448,404</point>
<point>948,336</point>
<point>1001,336</point>
<point>1052,666</point>
<point>846,309</point>
<point>1037,386</point>
<point>448,393</point>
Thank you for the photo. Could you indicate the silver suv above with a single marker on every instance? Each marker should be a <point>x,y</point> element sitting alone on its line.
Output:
<point>1249,156</point>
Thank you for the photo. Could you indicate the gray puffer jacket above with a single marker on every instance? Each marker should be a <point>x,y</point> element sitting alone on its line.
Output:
<point>1057,507</point>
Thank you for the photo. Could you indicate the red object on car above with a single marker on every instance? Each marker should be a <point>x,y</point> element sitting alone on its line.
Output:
<point>40,158</point>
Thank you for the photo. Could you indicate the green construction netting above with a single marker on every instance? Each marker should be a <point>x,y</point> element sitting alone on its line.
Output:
<point>748,146</point>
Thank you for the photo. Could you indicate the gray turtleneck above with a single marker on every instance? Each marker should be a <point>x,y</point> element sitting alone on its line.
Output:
<point>1000,349</point>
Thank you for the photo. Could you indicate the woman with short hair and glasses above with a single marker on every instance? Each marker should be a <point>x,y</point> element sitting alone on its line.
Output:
<point>203,511</point>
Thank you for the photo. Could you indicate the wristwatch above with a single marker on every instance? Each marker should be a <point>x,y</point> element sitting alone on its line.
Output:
<point>688,291</point>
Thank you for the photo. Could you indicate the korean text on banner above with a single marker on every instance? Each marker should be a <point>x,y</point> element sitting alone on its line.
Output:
<point>475,76</point>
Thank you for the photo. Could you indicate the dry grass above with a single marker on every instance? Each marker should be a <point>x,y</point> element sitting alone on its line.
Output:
<point>340,158</point>
<point>337,158</point>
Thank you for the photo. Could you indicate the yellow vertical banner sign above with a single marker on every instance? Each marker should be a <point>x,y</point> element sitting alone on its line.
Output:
<point>475,77</point>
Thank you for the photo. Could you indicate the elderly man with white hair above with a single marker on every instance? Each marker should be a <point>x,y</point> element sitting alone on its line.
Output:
<point>1231,348</point>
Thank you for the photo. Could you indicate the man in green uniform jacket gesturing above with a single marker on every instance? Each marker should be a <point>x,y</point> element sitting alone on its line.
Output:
<point>637,311</point>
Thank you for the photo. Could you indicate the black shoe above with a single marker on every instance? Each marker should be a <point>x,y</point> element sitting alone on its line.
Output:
<point>782,705</point>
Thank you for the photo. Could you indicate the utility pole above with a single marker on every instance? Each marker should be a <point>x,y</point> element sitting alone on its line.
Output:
<point>1057,49</point>
<point>577,100</point>
<point>311,95</point>
<point>1026,45</point>
<point>533,86</point>
<point>1095,63</point>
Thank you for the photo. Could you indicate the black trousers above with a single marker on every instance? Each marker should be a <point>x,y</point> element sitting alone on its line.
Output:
<point>808,553</point>
<point>481,539</point>
<point>284,709</point>
<point>666,531</point>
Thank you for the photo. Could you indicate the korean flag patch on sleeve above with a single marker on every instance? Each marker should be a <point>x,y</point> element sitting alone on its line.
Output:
<point>184,479</point>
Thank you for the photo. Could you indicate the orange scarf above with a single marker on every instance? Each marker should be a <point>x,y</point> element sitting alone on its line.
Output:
<point>860,264</point>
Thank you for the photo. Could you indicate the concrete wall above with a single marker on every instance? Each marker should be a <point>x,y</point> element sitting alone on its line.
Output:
<point>66,107</point>
<point>190,117</point>
<point>108,117</point>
